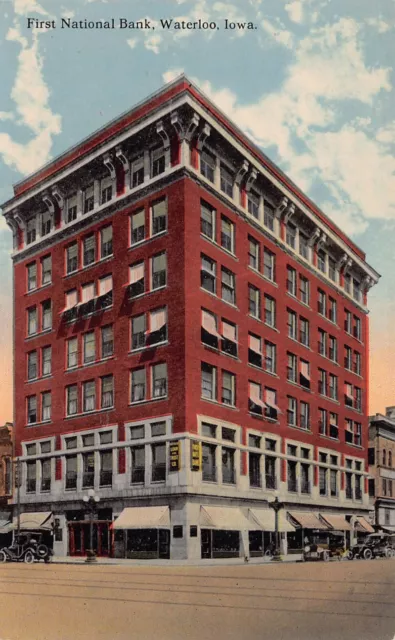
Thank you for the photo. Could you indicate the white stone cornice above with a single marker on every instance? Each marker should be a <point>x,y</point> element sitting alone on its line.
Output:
<point>48,202</point>
<point>242,172</point>
<point>57,194</point>
<point>161,131</point>
<point>119,154</point>
<point>251,179</point>
<point>281,207</point>
<point>108,163</point>
<point>192,126</point>
<point>314,237</point>
<point>203,135</point>
<point>289,213</point>
<point>178,125</point>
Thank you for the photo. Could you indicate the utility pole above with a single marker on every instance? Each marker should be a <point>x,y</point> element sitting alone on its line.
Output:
<point>18,494</point>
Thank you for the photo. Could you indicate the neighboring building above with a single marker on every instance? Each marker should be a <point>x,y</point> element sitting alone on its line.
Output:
<point>381,456</point>
<point>191,335</point>
<point>6,454</point>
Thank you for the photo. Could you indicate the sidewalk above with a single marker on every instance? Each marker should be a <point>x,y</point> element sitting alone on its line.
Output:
<point>173,563</point>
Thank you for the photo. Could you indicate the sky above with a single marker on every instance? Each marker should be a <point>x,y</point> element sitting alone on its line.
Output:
<point>311,82</point>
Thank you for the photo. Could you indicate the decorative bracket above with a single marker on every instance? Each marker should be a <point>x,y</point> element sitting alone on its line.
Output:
<point>119,154</point>
<point>242,172</point>
<point>203,135</point>
<point>281,207</point>
<point>18,219</point>
<point>48,202</point>
<point>341,263</point>
<point>367,283</point>
<point>57,194</point>
<point>347,266</point>
<point>107,160</point>
<point>251,179</point>
<point>313,239</point>
<point>289,213</point>
<point>178,125</point>
<point>194,122</point>
<point>161,131</point>
<point>322,240</point>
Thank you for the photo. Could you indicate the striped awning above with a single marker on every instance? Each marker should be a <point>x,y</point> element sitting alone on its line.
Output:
<point>362,525</point>
<point>225,518</point>
<point>143,518</point>
<point>308,520</point>
<point>336,521</point>
<point>265,519</point>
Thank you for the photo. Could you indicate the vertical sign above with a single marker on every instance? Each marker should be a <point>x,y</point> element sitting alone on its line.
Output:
<point>196,455</point>
<point>175,455</point>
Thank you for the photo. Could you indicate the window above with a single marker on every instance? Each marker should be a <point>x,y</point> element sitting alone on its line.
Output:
<point>304,415</point>
<point>304,373</point>
<point>348,358</point>
<point>253,254</point>
<point>268,216</point>
<point>291,281</point>
<point>254,468</point>
<point>292,367</point>
<point>228,434</point>
<point>292,476</point>
<point>209,430</point>
<point>333,425</point>
<point>332,269</point>
<point>207,274</point>
<point>158,462</point>
<point>229,338</point>
<point>356,290</point>
<point>157,327</point>
<point>137,432</point>
<point>322,382</point>
<point>31,473</point>
<point>228,292</point>
<point>159,380</point>
<point>332,311</point>
<point>46,315</point>
<point>207,165</point>
<point>357,363</point>
<point>88,198</point>
<point>158,161</point>
<point>270,472</point>
<point>158,429</point>
<point>72,400</point>
<point>348,395</point>
<point>46,223</point>
<point>46,270</point>
<point>46,406</point>
<point>32,325</point>
<point>358,436</point>
<point>332,349</point>
<point>304,285</point>
<point>390,459</point>
<point>106,242</point>
<point>32,365</point>
<point>347,321</point>
<point>138,332</point>
<point>72,352</point>
<point>270,357</point>
<point>323,422</point>
<point>227,235</point>
<point>321,260</point>
<point>321,302</point>
<point>89,250</point>
<point>159,271</point>
<point>106,190</point>
<point>323,477</point>
<point>322,342</point>
<point>45,475</point>
<point>107,392</point>
<point>105,297</point>
<point>254,441</point>
<point>138,465</point>
<point>208,373</point>
<point>105,479</point>
<point>303,246</point>
<point>71,472</point>
<point>72,258</point>
<point>46,361</point>
<point>31,276</point>
<point>357,330</point>
<point>137,172</point>
<point>358,399</point>
<point>87,298</point>
<point>209,468</point>
<point>226,181</point>
<point>137,227</point>
<point>290,235</point>
<point>333,386</point>
<point>292,411</point>
<point>71,208</point>
<point>136,279</point>
<point>269,265</point>
<point>32,410</point>
<point>304,331</point>
<point>138,385</point>
<point>88,470</point>
<point>228,466</point>
<point>255,355</point>
<point>209,332</point>
<point>272,409</point>
<point>253,204</point>
<point>107,342</point>
<point>89,395</point>
<point>31,230</point>
<point>270,311</point>
<point>89,343</point>
<point>207,220</point>
<point>333,483</point>
<point>228,394</point>
<point>254,301</point>
<point>71,443</point>
<point>292,324</point>
<point>159,216</point>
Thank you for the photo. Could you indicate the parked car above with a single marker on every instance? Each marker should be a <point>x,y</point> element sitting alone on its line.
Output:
<point>376,545</point>
<point>28,548</point>
<point>325,546</point>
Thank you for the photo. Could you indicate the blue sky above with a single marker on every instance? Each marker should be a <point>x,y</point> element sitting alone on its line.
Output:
<point>313,85</point>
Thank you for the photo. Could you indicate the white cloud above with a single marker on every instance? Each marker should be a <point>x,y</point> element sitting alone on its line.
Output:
<point>278,33</point>
<point>27,7</point>
<point>295,11</point>
<point>68,14</point>
<point>152,43</point>
<point>172,74</point>
<point>379,24</point>
<point>132,42</point>
<point>6,115</point>
<point>386,134</point>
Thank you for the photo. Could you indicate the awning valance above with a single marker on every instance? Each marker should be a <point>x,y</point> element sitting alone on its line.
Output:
<point>35,521</point>
<point>143,518</point>
<point>336,521</point>
<point>363,525</point>
<point>265,520</point>
<point>308,520</point>
<point>225,518</point>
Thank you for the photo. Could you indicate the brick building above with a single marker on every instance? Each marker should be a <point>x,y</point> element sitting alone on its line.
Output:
<point>192,340</point>
<point>6,453</point>
<point>381,457</point>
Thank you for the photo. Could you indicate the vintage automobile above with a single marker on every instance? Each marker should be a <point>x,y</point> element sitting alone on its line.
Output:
<point>376,545</point>
<point>28,548</point>
<point>324,547</point>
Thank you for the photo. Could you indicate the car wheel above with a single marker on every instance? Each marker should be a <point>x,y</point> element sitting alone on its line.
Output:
<point>3,556</point>
<point>325,556</point>
<point>29,557</point>
<point>42,551</point>
<point>367,554</point>
<point>389,553</point>
<point>349,555</point>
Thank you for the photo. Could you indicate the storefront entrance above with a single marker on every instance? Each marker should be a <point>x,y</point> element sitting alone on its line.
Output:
<point>142,544</point>
<point>79,538</point>
<point>261,542</point>
<point>220,544</point>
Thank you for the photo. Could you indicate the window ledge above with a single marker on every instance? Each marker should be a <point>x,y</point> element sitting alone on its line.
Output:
<point>219,404</point>
<point>263,277</point>
<point>136,245</point>
<point>146,401</point>
<point>133,352</point>
<point>220,352</point>
<point>39,378</point>
<point>38,289</point>
<point>38,424</point>
<point>300,386</point>
<point>88,413</point>
<point>214,295</point>
<point>218,246</point>
<point>146,293</point>
<point>88,266</point>
<point>322,395</point>
<point>270,373</point>
<point>302,429</point>
<point>265,324</point>
<point>39,333</point>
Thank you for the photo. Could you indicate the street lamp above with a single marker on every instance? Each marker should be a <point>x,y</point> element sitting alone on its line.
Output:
<point>276,506</point>
<point>91,500</point>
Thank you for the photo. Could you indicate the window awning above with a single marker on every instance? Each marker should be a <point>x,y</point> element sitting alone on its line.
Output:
<point>336,521</point>
<point>225,518</point>
<point>143,518</point>
<point>265,519</point>
<point>41,520</point>
<point>308,520</point>
<point>363,525</point>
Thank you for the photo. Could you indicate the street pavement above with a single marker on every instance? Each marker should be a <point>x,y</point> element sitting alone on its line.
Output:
<point>310,601</point>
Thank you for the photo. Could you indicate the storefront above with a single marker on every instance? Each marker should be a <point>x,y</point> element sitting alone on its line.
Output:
<point>80,538</point>
<point>310,529</point>
<point>221,530</point>
<point>262,531</point>
<point>142,533</point>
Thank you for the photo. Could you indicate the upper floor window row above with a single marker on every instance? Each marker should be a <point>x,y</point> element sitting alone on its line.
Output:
<point>39,274</point>
<point>39,318</point>
<point>90,297</point>
<point>261,259</point>
<point>148,275</point>
<point>209,273</point>
<point>92,247</point>
<point>220,230</point>
<point>142,228</point>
